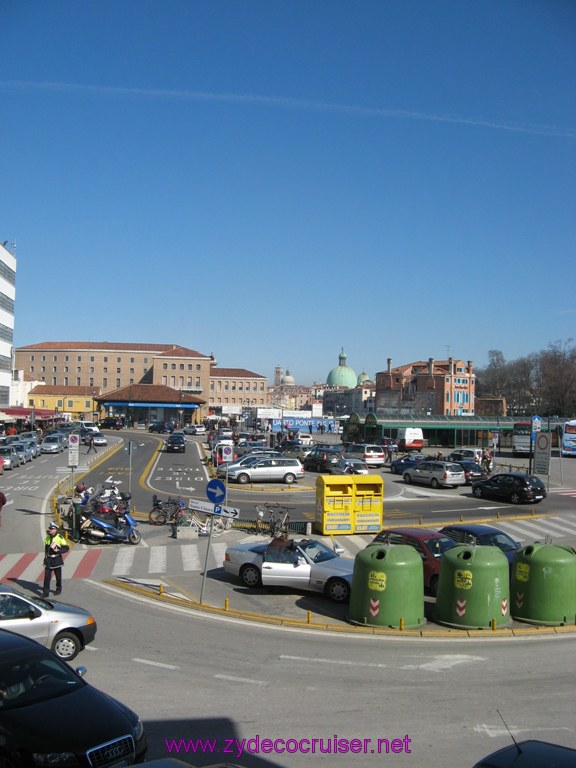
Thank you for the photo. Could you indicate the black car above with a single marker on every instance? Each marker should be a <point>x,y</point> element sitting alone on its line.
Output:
<point>515,487</point>
<point>110,422</point>
<point>323,457</point>
<point>473,471</point>
<point>482,536</point>
<point>50,716</point>
<point>160,426</point>
<point>530,754</point>
<point>175,444</point>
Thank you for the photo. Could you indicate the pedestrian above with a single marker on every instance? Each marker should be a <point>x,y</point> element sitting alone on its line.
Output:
<point>2,502</point>
<point>91,446</point>
<point>54,547</point>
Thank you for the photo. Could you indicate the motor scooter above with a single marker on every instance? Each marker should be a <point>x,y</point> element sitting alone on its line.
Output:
<point>96,530</point>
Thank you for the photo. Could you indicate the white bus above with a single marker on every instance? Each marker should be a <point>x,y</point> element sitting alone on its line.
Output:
<point>569,438</point>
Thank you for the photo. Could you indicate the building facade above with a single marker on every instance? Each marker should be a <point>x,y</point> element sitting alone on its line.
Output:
<point>444,387</point>
<point>7,301</point>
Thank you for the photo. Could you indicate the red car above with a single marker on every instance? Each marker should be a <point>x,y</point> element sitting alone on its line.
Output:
<point>431,545</point>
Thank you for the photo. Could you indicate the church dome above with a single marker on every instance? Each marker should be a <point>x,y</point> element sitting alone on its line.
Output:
<point>288,379</point>
<point>342,375</point>
<point>363,378</point>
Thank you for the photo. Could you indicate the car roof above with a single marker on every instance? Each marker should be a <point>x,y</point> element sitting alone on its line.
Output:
<point>530,754</point>
<point>416,533</point>
<point>477,528</point>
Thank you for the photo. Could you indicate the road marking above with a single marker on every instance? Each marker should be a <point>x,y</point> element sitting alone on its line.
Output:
<point>342,662</point>
<point>124,561</point>
<point>190,557</point>
<point>157,562</point>
<point>156,664</point>
<point>240,679</point>
<point>442,663</point>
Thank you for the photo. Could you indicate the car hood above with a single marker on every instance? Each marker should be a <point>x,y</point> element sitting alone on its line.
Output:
<point>68,610</point>
<point>342,566</point>
<point>91,718</point>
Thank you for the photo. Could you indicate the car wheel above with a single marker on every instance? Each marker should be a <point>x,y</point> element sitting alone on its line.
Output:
<point>289,478</point>
<point>407,478</point>
<point>66,646</point>
<point>434,483</point>
<point>134,537</point>
<point>477,491</point>
<point>434,586</point>
<point>514,498</point>
<point>338,590</point>
<point>250,576</point>
<point>243,478</point>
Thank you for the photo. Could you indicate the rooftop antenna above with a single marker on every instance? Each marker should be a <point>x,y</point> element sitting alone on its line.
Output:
<point>510,733</point>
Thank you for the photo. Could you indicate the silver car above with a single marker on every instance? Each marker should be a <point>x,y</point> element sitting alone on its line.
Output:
<point>247,461</point>
<point>306,564</point>
<point>23,451</point>
<point>268,470</point>
<point>436,474</point>
<point>33,447</point>
<point>11,458</point>
<point>52,444</point>
<point>65,629</point>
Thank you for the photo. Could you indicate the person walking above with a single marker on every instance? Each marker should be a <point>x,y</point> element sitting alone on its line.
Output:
<point>2,502</point>
<point>91,446</point>
<point>54,547</point>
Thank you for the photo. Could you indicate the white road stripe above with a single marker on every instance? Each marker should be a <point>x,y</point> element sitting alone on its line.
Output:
<point>240,679</point>
<point>156,664</point>
<point>124,562</point>
<point>342,662</point>
<point>157,562</point>
<point>190,557</point>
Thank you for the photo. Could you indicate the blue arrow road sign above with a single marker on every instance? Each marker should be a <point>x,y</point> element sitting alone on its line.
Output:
<point>216,491</point>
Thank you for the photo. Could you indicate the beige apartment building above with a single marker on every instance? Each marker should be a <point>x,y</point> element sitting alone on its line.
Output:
<point>104,367</point>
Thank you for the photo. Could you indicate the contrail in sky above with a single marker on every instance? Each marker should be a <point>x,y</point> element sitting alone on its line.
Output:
<point>289,103</point>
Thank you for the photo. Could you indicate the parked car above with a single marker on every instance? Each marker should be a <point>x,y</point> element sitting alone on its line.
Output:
<point>160,426</point>
<point>470,454</point>
<point>99,439</point>
<point>23,451</point>
<point>247,446</point>
<point>9,456</point>
<point>64,628</point>
<point>225,432</point>
<point>268,470</point>
<point>482,535</point>
<point>373,455</point>
<point>176,443</point>
<point>430,545</point>
<point>304,438</point>
<point>323,457</point>
<point>350,467</point>
<point>51,716</point>
<point>292,449</point>
<point>515,487</point>
<point>437,474</point>
<point>306,564</point>
<point>530,754</point>
<point>31,435</point>
<point>472,471</point>
<point>52,444</point>
<point>402,463</point>
<point>247,461</point>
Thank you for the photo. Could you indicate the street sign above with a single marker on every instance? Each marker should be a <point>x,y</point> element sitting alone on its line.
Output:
<point>131,446</point>
<point>226,511</point>
<point>74,467</point>
<point>201,506</point>
<point>542,446</point>
<point>216,491</point>
<point>536,426</point>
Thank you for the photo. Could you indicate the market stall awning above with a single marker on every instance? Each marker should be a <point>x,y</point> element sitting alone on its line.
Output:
<point>6,418</point>
<point>28,413</point>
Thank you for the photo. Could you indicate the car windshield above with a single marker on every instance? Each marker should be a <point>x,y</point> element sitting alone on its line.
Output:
<point>316,551</point>
<point>29,679</point>
<point>437,547</point>
<point>501,540</point>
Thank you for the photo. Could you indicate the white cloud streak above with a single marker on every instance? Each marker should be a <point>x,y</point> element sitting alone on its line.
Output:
<point>286,103</point>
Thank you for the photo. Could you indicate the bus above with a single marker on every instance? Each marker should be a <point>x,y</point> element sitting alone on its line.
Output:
<point>569,438</point>
<point>521,438</point>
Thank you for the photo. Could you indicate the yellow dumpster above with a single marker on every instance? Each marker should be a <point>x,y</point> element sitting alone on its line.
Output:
<point>334,504</point>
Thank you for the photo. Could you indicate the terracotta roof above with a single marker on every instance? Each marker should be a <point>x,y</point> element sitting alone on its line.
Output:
<point>150,393</point>
<point>235,373</point>
<point>159,349</point>
<point>56,389</point>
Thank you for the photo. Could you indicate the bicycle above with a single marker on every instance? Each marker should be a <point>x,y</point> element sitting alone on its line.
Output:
<point>272,527</point>
<point>190,519</point>
<point>165,511</point>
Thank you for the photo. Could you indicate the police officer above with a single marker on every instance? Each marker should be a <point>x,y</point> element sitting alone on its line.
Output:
<point>54,547</point>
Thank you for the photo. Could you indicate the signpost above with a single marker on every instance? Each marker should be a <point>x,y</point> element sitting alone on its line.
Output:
<point>216,493</point>
<point>130,447</point>
<point>542,448</point>
<point>536,428</point>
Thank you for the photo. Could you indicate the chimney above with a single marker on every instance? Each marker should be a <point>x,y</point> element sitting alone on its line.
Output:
<point>470,366</point>
<point>430,365</point>
<point>451,365</point>
<point>389,361</point>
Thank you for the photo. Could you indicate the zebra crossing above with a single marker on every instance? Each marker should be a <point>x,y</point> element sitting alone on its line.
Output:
<point>176,558</point>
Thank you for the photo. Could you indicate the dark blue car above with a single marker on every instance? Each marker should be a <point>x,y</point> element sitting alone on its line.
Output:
<point>483,535</point>
<point>398,466</point>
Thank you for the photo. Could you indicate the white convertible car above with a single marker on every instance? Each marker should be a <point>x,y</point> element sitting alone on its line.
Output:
<point>305,564</point>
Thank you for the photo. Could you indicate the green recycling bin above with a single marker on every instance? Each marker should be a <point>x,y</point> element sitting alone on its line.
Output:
<point>474,588</point>
<point>543,587</point>
<point>388,587</point>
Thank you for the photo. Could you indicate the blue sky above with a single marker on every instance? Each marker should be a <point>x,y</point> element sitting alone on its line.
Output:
<point>271,181</point>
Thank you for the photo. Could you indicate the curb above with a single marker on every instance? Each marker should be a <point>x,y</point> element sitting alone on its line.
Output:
<point>194,605</point>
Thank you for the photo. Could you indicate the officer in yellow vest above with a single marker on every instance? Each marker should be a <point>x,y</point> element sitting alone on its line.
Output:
<point>54,547</point>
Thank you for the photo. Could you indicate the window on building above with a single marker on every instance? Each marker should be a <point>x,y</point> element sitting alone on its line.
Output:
<point>118,370</point>
<point>31,369</point>
<point>105,369</point>
<point>87,405</point>
<point>78,381</point>
<point>66,381</point>
<point>198,381</point>
<point>181,366</point>
<point>131,359</point>
<point>53,381</point>
<point>43,358</point>
<point>118,359</point>
<point>172,366</point>
<point>172,381</point>
<point>117,383</point>
<point>104,384</point>
<point>54,358</point>
<point>91,382</point>
<point>198,367</point>
<point>164,366</point>
<point>92,358</point>
<point>79,359</point>
<point>165,381</point>
<point>105,359</point>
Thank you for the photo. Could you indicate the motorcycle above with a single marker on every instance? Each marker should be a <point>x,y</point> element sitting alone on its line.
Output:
<point>96,530</point>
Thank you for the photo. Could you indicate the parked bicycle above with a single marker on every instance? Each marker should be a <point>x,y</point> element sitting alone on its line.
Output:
<point>273,526</point>
<point>165,511</point>
<point>203,526</point>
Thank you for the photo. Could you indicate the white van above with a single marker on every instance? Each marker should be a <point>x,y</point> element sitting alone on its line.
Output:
<point>410,439</point>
